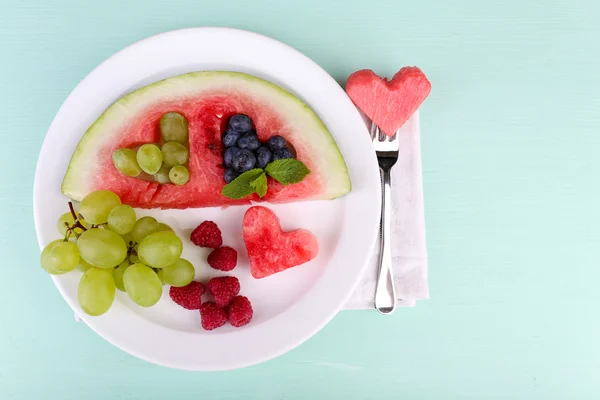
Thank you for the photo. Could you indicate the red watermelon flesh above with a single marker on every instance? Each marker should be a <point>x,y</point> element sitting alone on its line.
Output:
<point>271,250</point>
<point>207,100</point>
<point>389,103</point>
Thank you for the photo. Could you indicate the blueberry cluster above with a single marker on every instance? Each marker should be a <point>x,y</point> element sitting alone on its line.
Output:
<point>243,150</point>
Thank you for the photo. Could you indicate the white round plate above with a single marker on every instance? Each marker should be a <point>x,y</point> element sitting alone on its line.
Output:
<point>289,307</point>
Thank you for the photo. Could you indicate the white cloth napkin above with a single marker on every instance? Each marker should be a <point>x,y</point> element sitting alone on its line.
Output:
<point>409,251</point>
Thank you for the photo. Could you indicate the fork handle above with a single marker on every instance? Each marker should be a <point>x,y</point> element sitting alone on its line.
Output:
<point>385,292</point>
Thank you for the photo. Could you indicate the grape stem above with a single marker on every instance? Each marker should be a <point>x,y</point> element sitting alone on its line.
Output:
<point>72,211</point>
<point>77,224</point>
<point>131,251</point>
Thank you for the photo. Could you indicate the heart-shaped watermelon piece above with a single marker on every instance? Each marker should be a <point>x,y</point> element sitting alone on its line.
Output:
<point>271,250</point>
<point>388,103</point>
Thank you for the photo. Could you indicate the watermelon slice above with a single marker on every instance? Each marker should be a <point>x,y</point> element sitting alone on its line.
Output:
<point>271,250</point>
<point>207,99</point>
<point>388,103</point>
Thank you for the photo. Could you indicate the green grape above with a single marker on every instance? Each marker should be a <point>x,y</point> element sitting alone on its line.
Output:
<point>63,221</point>
<point>142,285</point>
<point>95,206</point>
<point>121,219</point>
<point>143,227</point>
<point>174,127</point>
<point>162,176</point>
<point>174,154</point>
<point>160,249</point>
<point>102,248</point>
<point>179,175</point>
<point>180,273</point>
<point>83,265</point>
<point>59,257</point>
<point>118,275</point>
<point>125,160</point>
<point>150,158</point>
<point>96,291</point>
<point>67,218</point>
<point>134,259</point>
<point>164,227</point>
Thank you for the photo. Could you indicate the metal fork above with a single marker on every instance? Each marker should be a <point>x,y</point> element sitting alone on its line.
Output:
<point>386,148</point>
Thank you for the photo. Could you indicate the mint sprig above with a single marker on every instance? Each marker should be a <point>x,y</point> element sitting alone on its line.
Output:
<point>241,186</point>
<point>260,185</point>
<point>286,172</point>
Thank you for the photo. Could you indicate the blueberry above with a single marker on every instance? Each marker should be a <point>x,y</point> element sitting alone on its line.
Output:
<point>277,143</point>
<point>263,157</point>
<point>230,175</point>
<point>249,141</point>
<point>229,154</point>
<point>241,123</point>
<point>281,154</point>
<point>243,161</point>
<point>231,137</point>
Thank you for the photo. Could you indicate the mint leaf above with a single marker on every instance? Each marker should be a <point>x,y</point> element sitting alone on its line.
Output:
<point>287,171</point>
<point>241,186</point>
<point>260,185</point>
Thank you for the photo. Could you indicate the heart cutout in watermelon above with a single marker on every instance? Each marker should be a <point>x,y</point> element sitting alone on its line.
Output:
<point>388,103</point>
<point>271,250</point>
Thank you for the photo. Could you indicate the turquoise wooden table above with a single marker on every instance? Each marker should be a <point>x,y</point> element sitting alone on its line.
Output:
<point>511,166</point>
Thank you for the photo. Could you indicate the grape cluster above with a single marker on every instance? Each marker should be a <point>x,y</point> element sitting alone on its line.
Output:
<point>164,164</point>
<point>116,250</point>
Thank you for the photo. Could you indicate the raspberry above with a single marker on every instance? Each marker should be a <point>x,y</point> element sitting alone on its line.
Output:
<point>212,316</point>
<point>223,258</point>
<point>239,311</point>
<point>223,289</point>
<point>188,296</point>
<point>207,234</point>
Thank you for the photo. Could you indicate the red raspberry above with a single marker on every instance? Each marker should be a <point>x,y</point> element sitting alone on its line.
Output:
<point>212,316</point>
<point>207,234</point>
<point>223,258</point>
<point>239,311</point>
<point>223,289</point>
<point>188,296</point>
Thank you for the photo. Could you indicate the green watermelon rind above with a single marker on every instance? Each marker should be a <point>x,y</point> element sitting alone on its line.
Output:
<point>78,179</point>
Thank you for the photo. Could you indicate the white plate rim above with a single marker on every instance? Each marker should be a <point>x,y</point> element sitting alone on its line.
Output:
<point>345,283</point>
